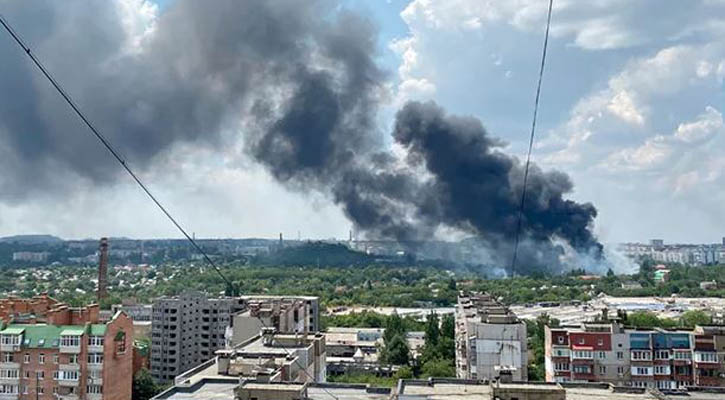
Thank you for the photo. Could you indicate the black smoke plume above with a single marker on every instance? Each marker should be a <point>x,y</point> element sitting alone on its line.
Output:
<point>298,79</point>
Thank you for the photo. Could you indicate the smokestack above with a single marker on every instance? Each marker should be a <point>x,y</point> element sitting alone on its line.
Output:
<point>280,240</point>
<point>102,269</point>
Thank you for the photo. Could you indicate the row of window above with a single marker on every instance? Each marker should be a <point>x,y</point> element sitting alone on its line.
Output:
<point>57,375</point>
<point>93,358</point>
<point>22,389</point>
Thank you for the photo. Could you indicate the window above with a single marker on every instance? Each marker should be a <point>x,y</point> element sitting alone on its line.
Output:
<point>620,355</point>
<point>662,355</point>
<point>602,355</point>
<point>27,374</point>
<point>94,389</point>
<point>581,340</point>
<point>641,355</point>
<point>582,369</point>
<point>95,374</point>
<point>41,358</point>
<point>7,357</point>
<point>95,341</point>
<point>73,359</point>
<point>583,354</point>
<point>26,359</point>
<point>12,340</point>
<point>662,369</point>
<point>55,359</point>
<point>41,390</point>
<point>706,357</point>
<point>9,374</point>
<point>70,341</point>
<point>641,370</point>
<point>40,374</point>
<point>561,366</point>
<point>602,369</point>
<point>620,370</point>
<point>95,358</point>
<point>67,375</point>
<point>600,342</point>
<point>560,339</point>
<point>683,355</point>
<point>8,389</point>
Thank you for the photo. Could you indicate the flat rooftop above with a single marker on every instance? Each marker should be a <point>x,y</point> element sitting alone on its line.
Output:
<point>203,390</point>
<point>258,347</point>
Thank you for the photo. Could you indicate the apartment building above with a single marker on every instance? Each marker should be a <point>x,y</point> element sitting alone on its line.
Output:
<point>662,359</point>
<point>490,340</point>
<point>284,313</point>
<point>188,329</point>
<point>267,357</point>
<point>70,356</point>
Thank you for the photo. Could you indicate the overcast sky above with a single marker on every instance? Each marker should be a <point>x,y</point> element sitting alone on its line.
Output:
<point>631,109</point>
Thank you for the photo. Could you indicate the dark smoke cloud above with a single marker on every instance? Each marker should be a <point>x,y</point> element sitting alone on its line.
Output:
<point>299,78</point>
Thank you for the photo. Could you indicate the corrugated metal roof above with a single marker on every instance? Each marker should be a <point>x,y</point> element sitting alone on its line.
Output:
<point>12,331</point>
<point>73,330</point>
<point>98,330</point>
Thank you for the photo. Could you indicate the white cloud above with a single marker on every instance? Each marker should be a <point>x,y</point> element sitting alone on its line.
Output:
<point>138,18</point>
<point>707,124</point>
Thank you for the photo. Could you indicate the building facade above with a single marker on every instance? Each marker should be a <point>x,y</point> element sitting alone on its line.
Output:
<point>71,356</point>
<point>661,359</point>
<point>187,330</point>
<point>491,341</point>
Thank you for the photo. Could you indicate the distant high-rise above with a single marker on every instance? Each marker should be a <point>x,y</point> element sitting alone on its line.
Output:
<point>102,269</point>
<point>657,243</point>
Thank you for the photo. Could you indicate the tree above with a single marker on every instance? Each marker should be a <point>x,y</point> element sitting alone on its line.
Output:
<point>403,373</point>
<point>394,327</point>
<point>695,317</point>
<point>144,387</point>
<point>396,352</point>
<point>448,326</point>
<point>432,330</point>
<point>438,368</point>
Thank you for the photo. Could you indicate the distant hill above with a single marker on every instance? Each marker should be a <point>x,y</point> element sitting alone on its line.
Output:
<point>316,253</point>
<point>31,239</point>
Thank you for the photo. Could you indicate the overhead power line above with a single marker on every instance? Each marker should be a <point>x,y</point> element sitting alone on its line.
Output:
<point>531,142</point>
<point>112,150</point>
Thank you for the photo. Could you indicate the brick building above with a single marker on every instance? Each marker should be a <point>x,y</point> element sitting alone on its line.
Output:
<point>65,353</point>
<point>662,359</point>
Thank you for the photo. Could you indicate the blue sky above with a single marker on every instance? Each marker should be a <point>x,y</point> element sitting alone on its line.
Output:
<point>631,109</point>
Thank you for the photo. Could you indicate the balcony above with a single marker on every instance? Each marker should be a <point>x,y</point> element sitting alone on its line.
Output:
<point>9,365</point>
<point>10,381</point>
<point>66,397</point>
<point>94,396</point>
<point>70,349</point>
<point>95,367</point>
<point>95,349</point>
<point>95,381</point>
<point>10,347</point>
<point>6,396</point>
<point>68,382</point>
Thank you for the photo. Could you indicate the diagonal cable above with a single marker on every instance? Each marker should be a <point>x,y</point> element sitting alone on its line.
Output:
<point>531,141</point>
<point>111,149</point>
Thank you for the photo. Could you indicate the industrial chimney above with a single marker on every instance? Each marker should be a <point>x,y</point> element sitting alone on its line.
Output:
<point>102,269</point>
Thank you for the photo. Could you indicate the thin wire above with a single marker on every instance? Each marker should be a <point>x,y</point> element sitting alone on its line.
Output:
<point>531,141</point>
<point>108,146</point>
<point>297,361</point>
